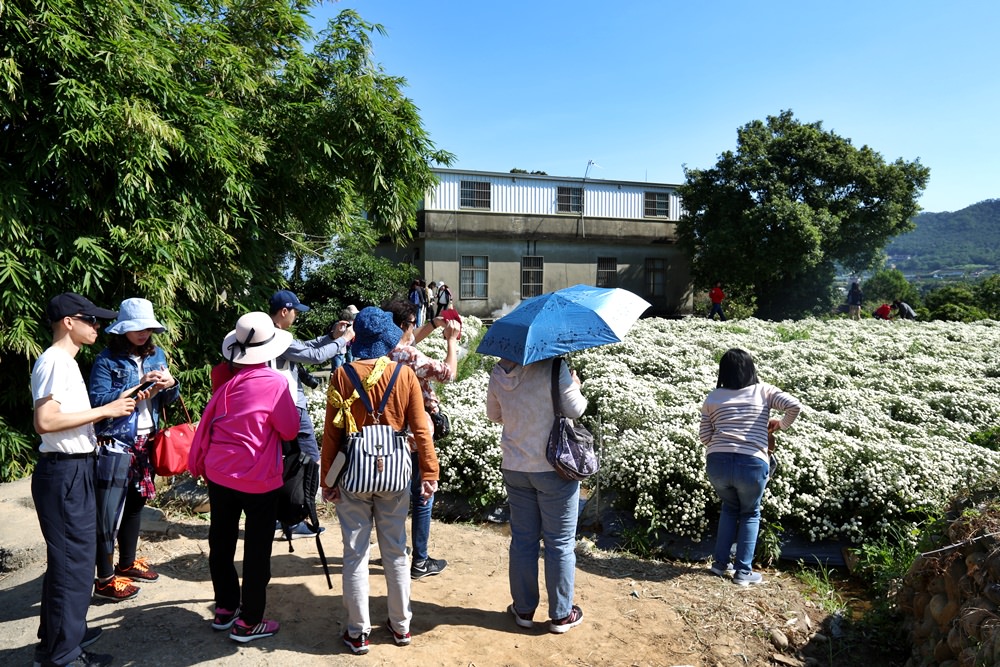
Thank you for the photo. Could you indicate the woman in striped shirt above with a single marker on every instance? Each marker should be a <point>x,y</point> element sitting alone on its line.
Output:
<point>735,422</point>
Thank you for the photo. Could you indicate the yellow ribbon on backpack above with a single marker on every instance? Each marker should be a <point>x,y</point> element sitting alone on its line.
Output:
<point>343,418</point>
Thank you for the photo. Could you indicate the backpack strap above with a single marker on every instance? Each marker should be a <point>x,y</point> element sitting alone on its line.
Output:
<point>556,367</point>
<point>363,395</point>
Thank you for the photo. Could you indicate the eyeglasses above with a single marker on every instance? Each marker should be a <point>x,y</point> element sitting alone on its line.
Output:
<point>411,322</point>
<point>89,319</point>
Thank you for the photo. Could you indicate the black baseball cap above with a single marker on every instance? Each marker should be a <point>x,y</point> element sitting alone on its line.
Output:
<point>69,303</point>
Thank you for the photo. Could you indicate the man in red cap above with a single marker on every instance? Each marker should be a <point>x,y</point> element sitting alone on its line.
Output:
<point>62,485</point>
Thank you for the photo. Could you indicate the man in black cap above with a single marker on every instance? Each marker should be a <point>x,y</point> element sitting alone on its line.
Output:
<point>284,308</point>
<point>62,486</point>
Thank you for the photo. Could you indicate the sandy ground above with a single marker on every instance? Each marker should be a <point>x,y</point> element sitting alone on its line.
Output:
<point>637,612</point>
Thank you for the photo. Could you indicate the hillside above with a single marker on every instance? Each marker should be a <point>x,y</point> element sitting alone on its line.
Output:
<point>965,239</point>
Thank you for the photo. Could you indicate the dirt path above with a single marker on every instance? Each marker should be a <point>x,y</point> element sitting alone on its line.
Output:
<point>637,612</point>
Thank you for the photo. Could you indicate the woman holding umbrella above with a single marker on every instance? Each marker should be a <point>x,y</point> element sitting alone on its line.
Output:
<point>542,504</point>
<point>131,361</point>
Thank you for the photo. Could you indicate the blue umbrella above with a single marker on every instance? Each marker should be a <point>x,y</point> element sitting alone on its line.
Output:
<point>567,320</point>
<point>113,461</point>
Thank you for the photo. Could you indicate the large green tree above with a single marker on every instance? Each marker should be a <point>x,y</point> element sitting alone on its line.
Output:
<point>184,152</point>
<point>777,215</point>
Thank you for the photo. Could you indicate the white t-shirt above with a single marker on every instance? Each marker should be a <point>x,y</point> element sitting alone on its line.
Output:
<point>57,374</point>
<point>143,409</point>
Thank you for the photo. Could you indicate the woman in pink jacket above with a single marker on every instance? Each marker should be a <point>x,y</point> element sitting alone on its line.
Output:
<point>237,449</point>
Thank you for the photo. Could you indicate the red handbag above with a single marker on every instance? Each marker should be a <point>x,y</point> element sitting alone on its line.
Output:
<point>172,445</point>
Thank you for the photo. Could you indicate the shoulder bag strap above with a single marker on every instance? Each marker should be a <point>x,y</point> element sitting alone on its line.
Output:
<point>556,367</point>
<point>363,395</point>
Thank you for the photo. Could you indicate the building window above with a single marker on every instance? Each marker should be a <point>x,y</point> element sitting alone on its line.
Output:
<point>607,272</point>
<point>531,276</point>
<point>657,205</point>
<point>656,277</point>
<point>474,277</point>
<point>475,194</point>
<point>570,200</point>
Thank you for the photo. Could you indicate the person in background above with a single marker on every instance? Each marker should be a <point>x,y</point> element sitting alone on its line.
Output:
<point>716,296</point>
<point>284,308</point>
<point>427,370</point>
<point>444,299</point>
<point>883,312</point>
<point>904,310</point>
<point>430,293</point>
<point>346,315</point>
<point>131,359</point>
<point>543,505</point>
<point>62,484</point>
<point>237,449</point>
<point>854,299</point>
<point>735,424</point>
<point>375,338</point>
<point>418,297</point>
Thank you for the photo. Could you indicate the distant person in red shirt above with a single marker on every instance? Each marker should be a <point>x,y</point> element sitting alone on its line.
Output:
<point>716,295</point>
<point>883,312</point>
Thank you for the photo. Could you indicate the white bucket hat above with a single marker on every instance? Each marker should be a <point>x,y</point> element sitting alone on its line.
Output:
<point>255,340</point>
<point>135,315</point>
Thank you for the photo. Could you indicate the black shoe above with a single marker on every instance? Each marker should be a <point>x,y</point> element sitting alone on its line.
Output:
<point>427,568</point>
<point>86,659</point>
<point>89,637</point>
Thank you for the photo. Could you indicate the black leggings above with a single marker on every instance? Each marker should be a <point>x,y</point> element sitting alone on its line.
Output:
<point>128,534</point>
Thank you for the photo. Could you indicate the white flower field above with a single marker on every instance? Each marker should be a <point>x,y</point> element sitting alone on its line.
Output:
<point>883,437</point>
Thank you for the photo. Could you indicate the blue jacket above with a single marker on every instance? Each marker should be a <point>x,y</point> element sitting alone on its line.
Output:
<point>111,375</point>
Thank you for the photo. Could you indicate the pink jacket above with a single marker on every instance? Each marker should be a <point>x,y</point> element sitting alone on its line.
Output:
<point>238,442</point>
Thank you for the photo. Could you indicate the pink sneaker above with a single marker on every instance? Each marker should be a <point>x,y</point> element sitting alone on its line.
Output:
<point>244,633</point>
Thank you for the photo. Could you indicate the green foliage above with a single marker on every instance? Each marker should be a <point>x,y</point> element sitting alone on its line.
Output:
<point>349,274</point>
<point>768,549</point>
<point>821,588</point>
<point>791,203</point>
<point>988,437</point>
<point>183,151</point>
<point>885,286</point>
<point>968,237</point>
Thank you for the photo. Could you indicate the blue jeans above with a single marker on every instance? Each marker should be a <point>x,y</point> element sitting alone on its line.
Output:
<point>739,480</point>
<point>420,522</point>
<point>543,506</point>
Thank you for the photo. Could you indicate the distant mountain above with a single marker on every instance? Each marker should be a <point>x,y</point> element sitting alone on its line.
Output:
<point>965,239</point>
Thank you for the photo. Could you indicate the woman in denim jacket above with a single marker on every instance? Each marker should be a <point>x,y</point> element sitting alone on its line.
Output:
<point>131,359</point>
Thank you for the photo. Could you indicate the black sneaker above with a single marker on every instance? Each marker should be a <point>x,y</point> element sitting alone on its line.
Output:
<point>427,568</point>
<point>358,645</point>
<point>86,659</point>
<point>89,637</point>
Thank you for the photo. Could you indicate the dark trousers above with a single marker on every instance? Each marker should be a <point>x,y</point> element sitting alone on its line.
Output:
<point>258,536</point>
<point>128,534</point>
<point>63,493</point>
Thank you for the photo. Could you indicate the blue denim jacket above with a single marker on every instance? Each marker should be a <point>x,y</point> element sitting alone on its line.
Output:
<point>111,375</point>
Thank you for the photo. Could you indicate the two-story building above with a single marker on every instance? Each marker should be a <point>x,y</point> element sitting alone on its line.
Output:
<point>497,238</point>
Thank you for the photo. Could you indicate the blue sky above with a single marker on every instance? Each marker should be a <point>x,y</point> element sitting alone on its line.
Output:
<point>645,88</point>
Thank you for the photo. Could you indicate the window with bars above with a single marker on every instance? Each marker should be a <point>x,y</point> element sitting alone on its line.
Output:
<point>474,277</point>
<point>656,277</point>
<point>657,205</point>
<point>531,275</point>
<point>474,194</point>
<point>570,200</point>
<point>607,272</point>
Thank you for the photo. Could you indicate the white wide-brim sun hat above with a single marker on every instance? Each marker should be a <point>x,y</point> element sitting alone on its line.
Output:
<point>135,315</point>
<point>255,340</point>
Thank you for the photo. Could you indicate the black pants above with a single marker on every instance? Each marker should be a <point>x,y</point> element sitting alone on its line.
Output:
<point>63,493</point>
<point>258,536</point>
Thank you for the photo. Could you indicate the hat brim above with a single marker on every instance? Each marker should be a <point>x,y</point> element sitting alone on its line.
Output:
<point>102,313</point>
<point>256,355</point>
<point>135,325</point>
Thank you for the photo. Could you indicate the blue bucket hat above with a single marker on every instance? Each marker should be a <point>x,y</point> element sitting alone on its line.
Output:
<point>135,315</point>
<point>375,334</point>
